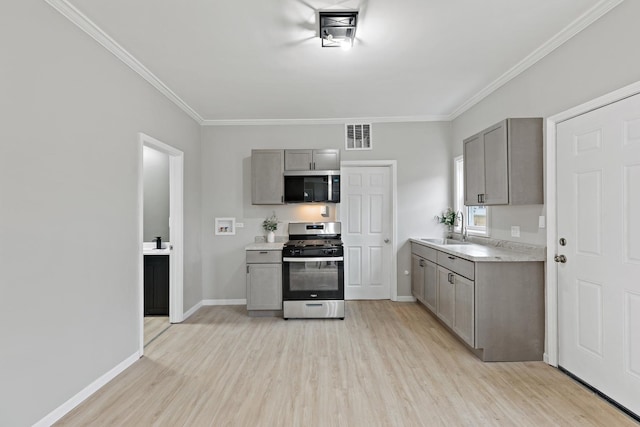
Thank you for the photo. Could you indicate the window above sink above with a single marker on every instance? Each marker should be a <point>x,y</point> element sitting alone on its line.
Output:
<point>476,217</point>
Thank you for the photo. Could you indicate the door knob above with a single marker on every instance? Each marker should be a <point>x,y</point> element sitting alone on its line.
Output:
<point>560,258</point>
<point>386,240</point>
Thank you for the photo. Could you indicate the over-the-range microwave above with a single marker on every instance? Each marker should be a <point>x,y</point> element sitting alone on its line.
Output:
<point>312,186</point>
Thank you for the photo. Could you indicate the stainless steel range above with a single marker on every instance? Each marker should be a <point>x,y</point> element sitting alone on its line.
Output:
<point>313,271</point>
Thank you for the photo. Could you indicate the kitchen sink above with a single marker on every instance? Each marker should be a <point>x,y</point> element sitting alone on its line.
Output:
<point>443,241</point>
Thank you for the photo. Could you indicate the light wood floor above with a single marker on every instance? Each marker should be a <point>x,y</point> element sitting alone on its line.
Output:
<point>386,364</point>
<point>154,326</point>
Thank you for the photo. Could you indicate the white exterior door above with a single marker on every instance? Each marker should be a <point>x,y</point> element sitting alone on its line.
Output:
<point>598,192</point>
<point>366,231</point>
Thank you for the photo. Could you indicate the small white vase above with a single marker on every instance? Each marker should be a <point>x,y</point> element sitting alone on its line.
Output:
<point>271,236</point>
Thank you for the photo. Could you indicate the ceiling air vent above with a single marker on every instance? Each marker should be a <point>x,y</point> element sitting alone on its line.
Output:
<point>358,137</point>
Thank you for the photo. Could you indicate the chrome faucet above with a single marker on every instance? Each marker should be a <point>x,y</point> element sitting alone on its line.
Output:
<point>463,228</point>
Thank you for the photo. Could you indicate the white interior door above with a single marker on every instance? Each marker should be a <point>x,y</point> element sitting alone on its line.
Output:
<point>367,231</point>
<point>598,192</point>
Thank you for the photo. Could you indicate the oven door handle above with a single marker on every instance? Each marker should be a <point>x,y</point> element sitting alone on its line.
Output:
<point>318,259</point>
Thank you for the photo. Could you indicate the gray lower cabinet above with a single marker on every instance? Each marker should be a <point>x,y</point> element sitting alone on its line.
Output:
<point>264,280</point>
<point>424,276</point>
<point>267,182</point>
<point>463,316</point>
<point>417,277</point>
<point>497,308</point>
<point>430,285</point>
<point>446,296</point>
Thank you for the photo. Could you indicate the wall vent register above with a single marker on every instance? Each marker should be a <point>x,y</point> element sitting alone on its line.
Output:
<point>358,137</point>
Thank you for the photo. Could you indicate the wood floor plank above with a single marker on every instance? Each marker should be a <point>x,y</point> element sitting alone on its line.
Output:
<point>386,364</point>
<point>154,326</point>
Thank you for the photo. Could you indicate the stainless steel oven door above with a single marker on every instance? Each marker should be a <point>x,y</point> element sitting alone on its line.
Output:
<point>312,278</point>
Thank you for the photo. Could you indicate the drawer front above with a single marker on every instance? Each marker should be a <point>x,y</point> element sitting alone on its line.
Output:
<point>458,265</point>
<point>264,257</point>
<point>424,252</point>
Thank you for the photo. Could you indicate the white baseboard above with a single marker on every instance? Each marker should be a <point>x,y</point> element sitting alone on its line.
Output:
<point>192,310</point>
<point>67,406</point>
<point>405,299</point>
<point>224,302</point>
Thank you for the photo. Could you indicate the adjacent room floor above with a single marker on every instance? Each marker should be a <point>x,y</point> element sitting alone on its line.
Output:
<point>386,364</point>
<point>154,326</point>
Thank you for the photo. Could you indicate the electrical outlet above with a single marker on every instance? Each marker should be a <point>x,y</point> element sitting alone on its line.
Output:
<point>515,231</point>
<point>542,222</point>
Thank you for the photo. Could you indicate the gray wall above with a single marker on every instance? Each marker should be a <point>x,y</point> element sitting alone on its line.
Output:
<point>156,195</point>
<point>69,161</point>
<point>598,60</point>
<point>422,151</point>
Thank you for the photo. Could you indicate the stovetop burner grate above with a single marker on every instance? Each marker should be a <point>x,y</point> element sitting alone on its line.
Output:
<point>327,243</point>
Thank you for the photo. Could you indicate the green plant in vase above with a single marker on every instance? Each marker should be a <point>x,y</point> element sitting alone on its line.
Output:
<point>448,218</point>
<point>270,225</point>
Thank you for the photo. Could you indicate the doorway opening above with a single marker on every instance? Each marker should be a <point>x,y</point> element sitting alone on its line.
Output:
<point>171,248</point>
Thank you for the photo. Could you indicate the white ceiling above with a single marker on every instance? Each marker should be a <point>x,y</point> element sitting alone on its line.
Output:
<point>256,60</point>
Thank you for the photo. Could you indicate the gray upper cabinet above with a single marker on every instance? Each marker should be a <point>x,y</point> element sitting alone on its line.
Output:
<point>503,164</point>
<point>304,160</point>
<point>267,184</point>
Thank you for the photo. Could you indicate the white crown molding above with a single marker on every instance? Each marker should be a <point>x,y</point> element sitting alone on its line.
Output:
<point>579,24</point>
<point>89,27</point>
<point>332,121</point>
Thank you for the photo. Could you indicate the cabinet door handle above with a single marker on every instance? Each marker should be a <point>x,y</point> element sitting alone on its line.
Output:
<point>264,252</point>
<point>247,269</point>
<point>421,263</point>
<point>450,278</point>
<point>310,166</point>
<point>281,199</point>
<point>479,199</point>
<point>451,257</point>
<point>314,165</point>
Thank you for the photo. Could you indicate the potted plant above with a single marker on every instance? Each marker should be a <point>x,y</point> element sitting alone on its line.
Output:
<point>448,218</point>
<point>270,225</point>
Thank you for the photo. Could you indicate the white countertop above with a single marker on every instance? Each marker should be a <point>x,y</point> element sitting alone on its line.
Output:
<point>149,248</point>
<point>481,253</point>
<point>263,246</point>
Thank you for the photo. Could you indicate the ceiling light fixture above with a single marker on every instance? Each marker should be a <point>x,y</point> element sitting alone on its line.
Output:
<point>338,28</point>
